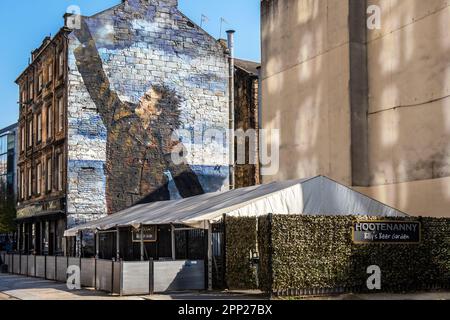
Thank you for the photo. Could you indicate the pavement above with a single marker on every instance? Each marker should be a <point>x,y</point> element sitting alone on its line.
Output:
<point>225,295</point>
<point>6,297</point>
<point>15,287</point>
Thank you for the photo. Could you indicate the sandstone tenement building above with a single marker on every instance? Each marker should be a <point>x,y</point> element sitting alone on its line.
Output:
<point>100,105</point>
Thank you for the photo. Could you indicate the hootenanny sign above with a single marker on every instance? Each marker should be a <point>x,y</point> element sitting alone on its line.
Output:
<point>390,232</point>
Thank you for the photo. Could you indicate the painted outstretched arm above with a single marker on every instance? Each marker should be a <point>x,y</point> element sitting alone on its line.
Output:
<point>90,66</point>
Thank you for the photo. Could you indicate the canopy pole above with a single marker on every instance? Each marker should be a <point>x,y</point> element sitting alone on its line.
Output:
<point>210,259</point>
<point>142,242</point>
<point>97,244</point>
<point>173,242</point>
<point>118,244</point>
<point>77,244</point>
<point>81,244</point>
<point>18,238</point>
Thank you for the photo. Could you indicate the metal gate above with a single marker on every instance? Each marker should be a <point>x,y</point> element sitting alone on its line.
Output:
<point>190,244</point>
<point>107,245</point>
<point>219,262</point>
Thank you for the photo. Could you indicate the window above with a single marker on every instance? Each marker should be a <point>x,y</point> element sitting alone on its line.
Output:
<point>60,114</point>
<point>30,183</point>
<point>19,185</point>
<point>38,178</point>
<point>49,122</point>
<point>30,133</point>
<point>22,185</point>
<point>39,127</point>
<point>49,175</point>
<point>24,95</point>
<point>40,82</point>
<point>50,72</point>
<point>60,64</point>
<point>3,167</point>
<point>30,91</point>
<point>60,172</point>
<point>22,138</point>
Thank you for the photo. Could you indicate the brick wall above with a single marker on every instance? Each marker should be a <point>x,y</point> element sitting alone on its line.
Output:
<point>246,118</point>
<point>137,73</point>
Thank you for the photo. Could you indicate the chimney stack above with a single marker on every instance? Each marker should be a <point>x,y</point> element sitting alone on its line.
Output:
<point>232,128</point>
<point>66,17</point>
<point>230,34</point>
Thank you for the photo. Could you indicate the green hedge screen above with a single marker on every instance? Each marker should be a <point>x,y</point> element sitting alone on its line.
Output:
<point>300,252</point>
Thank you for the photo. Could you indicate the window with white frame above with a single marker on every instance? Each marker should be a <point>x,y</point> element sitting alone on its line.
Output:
<point>22,138</point>
<point>50,72</point>
<point>30,91</point>
<point>40,82</point>
<point>24,95</point>
<point>38,178</point>
<point>61,63</point>
<point>30,182</point>
<point>22,185</point>
<point>60,114</point>
<point>49,175</point>
<point>19,185</point>
<point>49,121</point>
<point>39,127</point>
<point>60,171</point>
<point>30,133</point>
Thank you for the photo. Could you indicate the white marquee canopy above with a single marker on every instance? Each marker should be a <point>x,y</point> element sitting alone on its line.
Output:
<point>315,196</point>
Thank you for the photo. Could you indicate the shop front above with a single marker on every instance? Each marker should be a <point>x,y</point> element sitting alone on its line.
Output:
<point>42,234</point>
<point>40,228</point>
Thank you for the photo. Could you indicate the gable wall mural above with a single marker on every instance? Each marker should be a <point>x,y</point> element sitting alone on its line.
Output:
<point>138,73</point>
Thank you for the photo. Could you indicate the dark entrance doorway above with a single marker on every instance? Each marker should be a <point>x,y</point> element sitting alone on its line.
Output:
<point>190,244</point>
<point>107,245</point>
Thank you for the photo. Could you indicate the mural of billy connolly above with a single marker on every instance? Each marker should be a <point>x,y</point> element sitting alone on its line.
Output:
<point>139,136</point>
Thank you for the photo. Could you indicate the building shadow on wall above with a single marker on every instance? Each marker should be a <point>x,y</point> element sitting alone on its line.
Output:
<point>408,130</point>
<point>308,101</point>
<point>408,126</point>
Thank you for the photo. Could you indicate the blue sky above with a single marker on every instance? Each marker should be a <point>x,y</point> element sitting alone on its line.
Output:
<point>24,24</point>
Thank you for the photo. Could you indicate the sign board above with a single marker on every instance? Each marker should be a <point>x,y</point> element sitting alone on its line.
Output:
<point>39,209</point>
<point>150,234</point>
<point>387,232</point>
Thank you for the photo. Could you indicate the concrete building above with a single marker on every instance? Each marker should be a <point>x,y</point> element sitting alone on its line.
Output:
<point>367,107</point>
<point>101,105</point>
<point>8,155</point>
<point>8,166</point>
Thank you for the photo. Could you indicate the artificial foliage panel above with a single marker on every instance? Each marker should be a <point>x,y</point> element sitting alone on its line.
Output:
<point>317,254</point>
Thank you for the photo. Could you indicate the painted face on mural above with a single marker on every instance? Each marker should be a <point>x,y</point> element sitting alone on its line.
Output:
<point>149,108</point>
